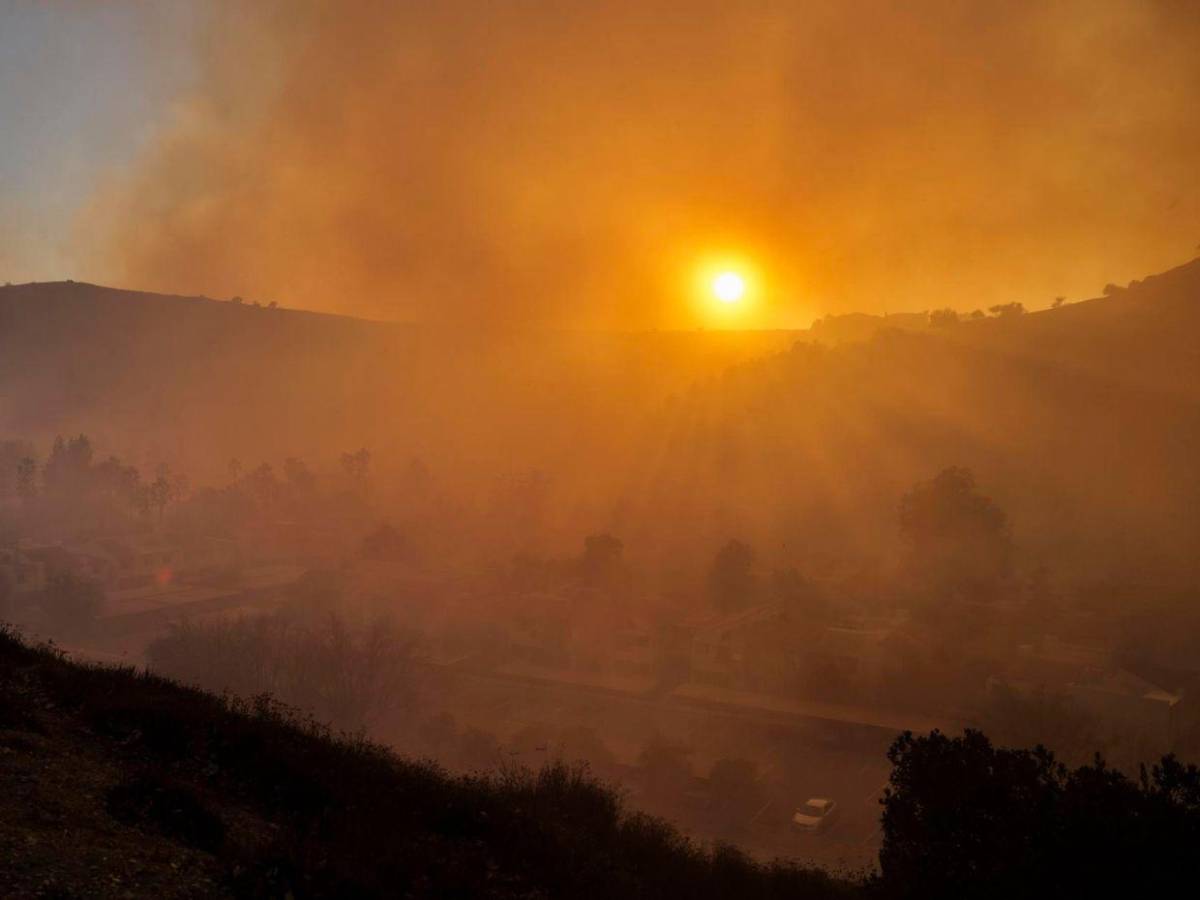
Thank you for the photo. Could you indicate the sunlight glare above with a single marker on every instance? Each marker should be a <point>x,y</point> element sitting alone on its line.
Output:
<point>728,287</point>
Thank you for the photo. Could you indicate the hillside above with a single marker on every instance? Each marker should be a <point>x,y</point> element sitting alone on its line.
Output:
<point>1082,422</point>
<point>199,381</point>
<point>121,784</point>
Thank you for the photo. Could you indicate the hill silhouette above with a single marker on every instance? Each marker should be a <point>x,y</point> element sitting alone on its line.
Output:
<point>243,379</point>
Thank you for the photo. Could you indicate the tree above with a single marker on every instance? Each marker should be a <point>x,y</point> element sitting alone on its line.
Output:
<point>1005,310</point>
<point>941,318</point>
<point>731,582</point>
<point>160,493</point>
<point>299,488</point>
<point>298,477</point>
<point>12,453</point>
<point>1058,301</point>
<point>385,544</point>
<point>958,540</point>
<point>962,818</point>
<point>356,465</point>
<point>601,566</point>
<point>27,479</point>
<point>68,467</point>
<point>264,486</point>
<point>1110,289</point>
<point>417,477</point>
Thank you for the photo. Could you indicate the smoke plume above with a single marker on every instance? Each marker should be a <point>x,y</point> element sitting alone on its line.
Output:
<point>568,163</point>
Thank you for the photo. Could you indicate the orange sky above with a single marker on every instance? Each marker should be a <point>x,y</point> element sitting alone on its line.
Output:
<point>573,163</point>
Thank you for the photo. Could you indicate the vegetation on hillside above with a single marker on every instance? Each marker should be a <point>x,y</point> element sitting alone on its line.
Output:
<point>276,805</point>
<point>257,800</point>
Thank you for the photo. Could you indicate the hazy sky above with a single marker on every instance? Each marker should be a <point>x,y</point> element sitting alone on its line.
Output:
<point>577,163</point>
<point>82,87</point>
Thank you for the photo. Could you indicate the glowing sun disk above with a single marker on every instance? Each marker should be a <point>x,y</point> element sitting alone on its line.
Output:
<point>728,287</point>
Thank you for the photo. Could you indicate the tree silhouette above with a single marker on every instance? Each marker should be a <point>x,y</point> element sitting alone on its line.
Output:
<point>27,478</point>
<point>1004,310</point>
<point>356,465</point>
<point>601,567</point>
<point>962,818</point>
<point>958,540</point>
<point>731,582</point>
<point>68,466</point>
<point>385,544</point>
<point>160,492</point>
<point>940,318</point>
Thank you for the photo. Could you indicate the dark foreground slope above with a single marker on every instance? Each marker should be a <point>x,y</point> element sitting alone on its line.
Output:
<point>120,784</point>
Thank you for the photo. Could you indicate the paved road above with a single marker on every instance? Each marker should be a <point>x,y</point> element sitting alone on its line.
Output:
<point>799,758</point>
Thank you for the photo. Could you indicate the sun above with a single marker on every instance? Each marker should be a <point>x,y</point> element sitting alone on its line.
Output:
<point>728,287</point>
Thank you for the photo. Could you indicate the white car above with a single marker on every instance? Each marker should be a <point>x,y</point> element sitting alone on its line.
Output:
<point>816,815</point>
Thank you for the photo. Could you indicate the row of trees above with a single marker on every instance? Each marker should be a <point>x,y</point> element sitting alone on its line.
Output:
<point>73,490</point>
<point>958,546</point>
<point>73,485</point>
<point>963,818</point>
<point>942,318</point>
<point>289,492</point>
